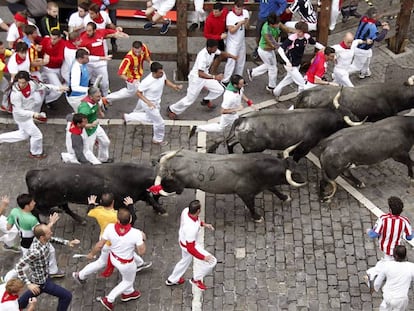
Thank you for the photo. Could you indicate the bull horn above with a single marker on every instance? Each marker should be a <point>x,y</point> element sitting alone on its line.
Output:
<point>157,180</point>
<point>291,181</point>
<point>290,149</point>
<point>348,121</point>
<point>166,194</point>
<point>334,187</point>
<point>410,80</point>
<point>336,100</point>
<point>169,155</point>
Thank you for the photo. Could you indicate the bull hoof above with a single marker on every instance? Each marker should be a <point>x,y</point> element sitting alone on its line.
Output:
<point>288,199</point>
<point>360,185</point>
<point>259,220</point>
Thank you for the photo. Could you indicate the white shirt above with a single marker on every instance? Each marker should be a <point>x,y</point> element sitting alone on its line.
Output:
<point>13,33</point>
<point>76,21</point>
<point>398,277</point>
<point>232,99</point>
<point>123,246</point>
<point>105,17</point>
<point>203,62</point>
<point>12,305</point>
<point>238,37</point>
<point>14,68</point>
<point>152,88</point>
<point>188,228</point>
<point>343,56</point>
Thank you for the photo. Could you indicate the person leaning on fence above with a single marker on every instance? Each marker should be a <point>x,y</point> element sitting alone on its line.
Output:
<point>155,11</point>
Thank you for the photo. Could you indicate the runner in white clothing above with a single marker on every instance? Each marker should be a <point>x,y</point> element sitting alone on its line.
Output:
<point>124,241</point>
<point>232,103</point>
<point>149,93</point>
<point>398,276</point>
<point>190,225</point>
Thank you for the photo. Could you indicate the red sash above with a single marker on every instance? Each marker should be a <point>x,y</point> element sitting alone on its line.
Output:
<point>110,267</point>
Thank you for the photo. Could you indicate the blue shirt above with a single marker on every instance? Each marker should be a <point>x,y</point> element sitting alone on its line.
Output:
<point>271,6</point>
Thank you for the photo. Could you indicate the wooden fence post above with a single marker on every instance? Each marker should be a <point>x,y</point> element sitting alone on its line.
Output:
<point>398,43</point>
<point>324,16</point>
<point>182,46</point>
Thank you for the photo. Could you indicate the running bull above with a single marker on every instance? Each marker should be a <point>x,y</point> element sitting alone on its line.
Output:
<point>374,101</point>
<point>61,184</point>
<point>278,129</point>
<point>364,145</point>
<point>245,175</point>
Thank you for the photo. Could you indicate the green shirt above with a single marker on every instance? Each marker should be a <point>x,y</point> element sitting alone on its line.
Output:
<point>91,113</point>
<point>266,30</point>
<point>23,221</point>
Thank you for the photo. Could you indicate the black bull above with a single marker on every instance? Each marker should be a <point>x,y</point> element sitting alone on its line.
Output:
<point>61,184</point>
<point>278,129</point>
<point>245,175</point>
<point>365,145</point>
<point>374,101</point>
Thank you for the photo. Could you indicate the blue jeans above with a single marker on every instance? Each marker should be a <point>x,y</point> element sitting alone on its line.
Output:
<point>65,296</point>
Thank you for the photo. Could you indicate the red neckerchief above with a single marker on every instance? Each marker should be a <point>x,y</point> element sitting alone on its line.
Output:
<point>366,19</point>
<point>121,230</point>
<point>71,45</point>
<point>98,19</point>
<point>194,218</point>
<point>155,189</point>
<point>26,91</point>
<point>234,11</point>
<point>74,129</point>
<point>342,44</point>
<point>19,60</point>
<point>88,100</point>
<point>8,297</point>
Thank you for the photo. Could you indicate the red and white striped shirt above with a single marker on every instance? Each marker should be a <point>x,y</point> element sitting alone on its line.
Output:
<point>390,228</point>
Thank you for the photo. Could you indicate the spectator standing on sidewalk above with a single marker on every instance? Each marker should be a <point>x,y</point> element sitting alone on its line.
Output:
<point>155,11</point>
<point>35,262</point>
<point>265,9</point>
<point>149,93</point>
<point>349,8</point>
<point>104,215</point>
<point>232,103</point>
<point>125,240</point>
<point>368,30</point>
<point>199,16</point>
<point>397,276</point>
<point>236,21</point>
<point>131,70</point>
<point>200,78</point>
<point>389,229</point>
<point>190,225</point>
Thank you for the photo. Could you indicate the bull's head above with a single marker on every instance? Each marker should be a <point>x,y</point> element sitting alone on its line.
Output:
<point>347,118</point>
<point>163,171</point>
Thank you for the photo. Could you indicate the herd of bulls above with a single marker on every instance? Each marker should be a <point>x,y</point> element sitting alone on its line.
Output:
<point>345,126</point>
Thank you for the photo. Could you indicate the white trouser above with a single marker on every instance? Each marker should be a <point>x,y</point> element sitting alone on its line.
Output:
<point>374,271</point>
<point>8,237</point>
<point>128,272</point>
<point>53,268</point>
<point>362,60</point>
<point>292,75</point>
<point>52,76</point>
<point>149,116</point>
<point>74,101</point>
<point>181,267</point>
<point>127,92</point>
<point>225,121</point>
<point>394,304</point>
<point>308,85</point>
<point>70,156</point>
<point>334,14</point>
<point>269,65</point>
<point>199,13</point>
<point>341,75</point>
<point>311,26</point>
<point>103,143</point>
<point>4,84</point>
<point>195,85</point>
<point>235,66</point>
<point>26,129</point>
<point>100,68</point>
<point>101,262</point>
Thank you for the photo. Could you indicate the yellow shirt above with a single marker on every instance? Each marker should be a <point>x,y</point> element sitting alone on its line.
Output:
<point>7,53</point>
<point>104,217</point>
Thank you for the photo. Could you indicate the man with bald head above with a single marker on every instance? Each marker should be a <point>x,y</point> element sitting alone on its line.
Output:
<point>345,51</point>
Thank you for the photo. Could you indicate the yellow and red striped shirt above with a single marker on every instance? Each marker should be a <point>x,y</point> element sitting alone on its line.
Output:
<point>133,65</point>
<point>33,54</point>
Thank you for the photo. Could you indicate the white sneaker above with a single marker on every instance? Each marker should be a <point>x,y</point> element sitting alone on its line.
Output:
<point>249,74</point>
